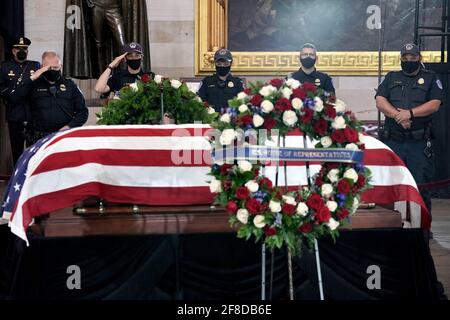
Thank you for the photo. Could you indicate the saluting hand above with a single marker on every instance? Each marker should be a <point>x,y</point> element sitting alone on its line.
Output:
<point>115,63</point>
<point>402,116</point>
<point>39,72</point>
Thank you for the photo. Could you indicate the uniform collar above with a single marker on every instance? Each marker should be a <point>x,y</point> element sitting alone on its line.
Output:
<point>19,63</point>
<point>227,79</point>
<point>312,74</point>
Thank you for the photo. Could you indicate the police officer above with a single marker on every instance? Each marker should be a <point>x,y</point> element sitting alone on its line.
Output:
<point>133,57</point>
<point>408,98</point>
<point>56,103</point>
<point>217,89</point>
<point>307,71</point>
<point>12,73</point>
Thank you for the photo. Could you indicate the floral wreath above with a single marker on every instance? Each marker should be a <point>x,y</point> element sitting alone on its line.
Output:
<point>272,214</point>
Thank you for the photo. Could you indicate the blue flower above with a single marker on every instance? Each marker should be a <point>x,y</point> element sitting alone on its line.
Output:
<point>278,220</point>
<point>359,167</point>
<point>341,196</point>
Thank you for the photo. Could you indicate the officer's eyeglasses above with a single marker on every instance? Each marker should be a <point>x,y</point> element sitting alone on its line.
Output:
<point>306,55</point>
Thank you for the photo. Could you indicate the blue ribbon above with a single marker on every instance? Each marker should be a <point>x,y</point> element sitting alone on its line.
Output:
<point>264,153</point>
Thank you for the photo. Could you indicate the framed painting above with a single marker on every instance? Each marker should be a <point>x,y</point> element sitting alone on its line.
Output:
<point>265,35</point>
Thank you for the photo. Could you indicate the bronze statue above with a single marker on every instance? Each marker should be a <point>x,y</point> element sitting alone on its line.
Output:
<point>96,30</point>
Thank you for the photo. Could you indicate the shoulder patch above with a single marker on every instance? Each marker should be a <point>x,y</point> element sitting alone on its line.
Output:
<point>439,84</point>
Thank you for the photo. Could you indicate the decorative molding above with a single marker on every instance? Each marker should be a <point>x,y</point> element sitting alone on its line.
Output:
<point>211,34</point>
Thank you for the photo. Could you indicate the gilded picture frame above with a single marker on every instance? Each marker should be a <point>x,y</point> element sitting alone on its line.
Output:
<point>211,33</point>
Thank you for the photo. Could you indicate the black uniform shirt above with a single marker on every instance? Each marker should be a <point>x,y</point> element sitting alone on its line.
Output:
<point>320,79</point>
<point>408,92</point>
<point>217,92</point>
<point>53,106</point>
<point>123,78</point>
<point>12,73</point>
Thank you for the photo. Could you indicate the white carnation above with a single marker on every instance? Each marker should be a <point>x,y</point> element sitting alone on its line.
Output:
<point>351,174</point>
<point>332,224</point>
<point>211,110</point>
<point>318,104</point>
<point>326,141</point>
<point>290,118</point>
<point>333,175</point>
<point>158,78</point>
<point>294,84</point>
<point>274,206</point>
<point>339,123</point>
<point>332,205</point>
<point>289,200</point>
<point>215,185</point>
<point>297,103</point>
<point>352,146</point>
<point>244,166</point>
<point>227,137</point>
<point>327,190</point>
<point>302,209</point>
<point>258,120</point>
<point>252,186</point>
<point>242,108</point>
<point>242,216</point>
<point>225,118</point>
<point>242,95</point>
<point>286,92</point>
<point>267,90</point>
<point>134,86</point>
<point>266,106</point>
<point>355,205</point>
<point>175,83</point>
<point>339,105</point>
<point>258,221</point>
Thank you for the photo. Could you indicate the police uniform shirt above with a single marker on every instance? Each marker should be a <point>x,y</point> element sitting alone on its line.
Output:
<point>53,106</point>
<point>320,79</point>
<point>12,73</point>
<point>217,92</point>
<point>408,92</point>
<point>123,78</point>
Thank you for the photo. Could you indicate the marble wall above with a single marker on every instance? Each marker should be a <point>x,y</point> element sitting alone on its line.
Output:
<point>171,33</point>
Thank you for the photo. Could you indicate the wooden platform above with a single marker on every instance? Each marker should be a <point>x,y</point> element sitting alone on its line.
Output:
<point>120,220</point>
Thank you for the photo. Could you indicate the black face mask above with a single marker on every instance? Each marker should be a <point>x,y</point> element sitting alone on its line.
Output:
<point>52,75</point>
<point>308,62</point>
<point>21,55</point>
<point>134,64</point>
<point>223,71</point>
<point>410,66</point>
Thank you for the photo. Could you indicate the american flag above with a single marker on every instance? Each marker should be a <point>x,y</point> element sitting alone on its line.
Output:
<point>160,165</point>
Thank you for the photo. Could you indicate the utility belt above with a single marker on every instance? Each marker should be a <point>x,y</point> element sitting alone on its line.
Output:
<point>420,134</point>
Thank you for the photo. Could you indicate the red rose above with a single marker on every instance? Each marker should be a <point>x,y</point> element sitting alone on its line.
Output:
<point>330,112</point>
<point>227,184</point>
<point>315,201</point>
<point>343,186</point>
<point>308,86</point>
<point>321,127</point>
<point>244,120</point>
<point>277,82</point>
<point>361,181</point>
<point>242,193</point>
<point>283,104</point>
<point>288,209</point>
<point>247,90</point>
<point>225,168</point>
<point>298,93</point>
<point>145,78</point>
<point>278,195</point>
<point>256,100</point>
<point>338,136</point>
<point>323,214</point>
<point>253,206</point>
<point>269,123</point>
<point>231,207</point>
<point>319,181</point>
<point>351,135</point>
<point>342,213</point>
<point>266,183</point>
<point>305,228</point>
<point>307,117</point>
<point>270,231</point>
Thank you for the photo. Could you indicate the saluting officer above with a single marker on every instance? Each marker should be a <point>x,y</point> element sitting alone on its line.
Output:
<point>221,86</point>
<point>307,71</point>
<point>12,73</point>
<point>56,103</point>
<point>408,98</point>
